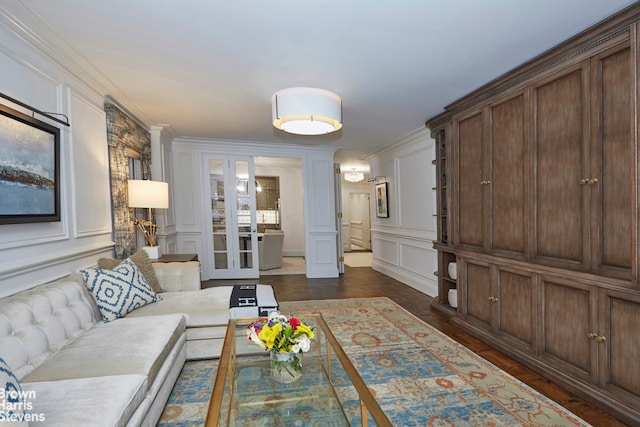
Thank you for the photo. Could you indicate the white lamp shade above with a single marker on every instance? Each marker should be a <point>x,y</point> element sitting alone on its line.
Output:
<point>148,194</point>
<point>306,111</point>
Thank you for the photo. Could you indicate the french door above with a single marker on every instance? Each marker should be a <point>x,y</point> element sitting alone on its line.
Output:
<point>233,238</point>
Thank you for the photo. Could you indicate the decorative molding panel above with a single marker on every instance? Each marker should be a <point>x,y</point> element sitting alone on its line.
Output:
<point>414,183</point>
<point>418,259</point>
<point>91,202</point>
<point>184,207</point>
<point>385,249</point>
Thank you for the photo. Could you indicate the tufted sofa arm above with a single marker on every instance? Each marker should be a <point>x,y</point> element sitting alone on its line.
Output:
<point>178,276</point>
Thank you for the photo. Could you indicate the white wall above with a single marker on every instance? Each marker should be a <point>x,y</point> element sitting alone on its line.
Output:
<point>292,221</point>
<point>31,254</point>
<point>402,244</point>
<point>317,197</point>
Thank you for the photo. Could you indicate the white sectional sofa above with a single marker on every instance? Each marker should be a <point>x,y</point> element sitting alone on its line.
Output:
<point>206,311</point>
<point>77,370</point>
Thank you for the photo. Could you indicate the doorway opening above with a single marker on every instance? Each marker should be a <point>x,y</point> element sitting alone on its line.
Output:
<point>356,230</point>
<point>279,208</point>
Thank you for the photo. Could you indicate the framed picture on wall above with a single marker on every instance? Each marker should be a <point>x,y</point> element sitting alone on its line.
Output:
<point>29,169</point>
<point>382,202</point>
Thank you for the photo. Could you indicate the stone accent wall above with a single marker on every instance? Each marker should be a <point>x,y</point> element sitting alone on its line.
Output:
<point>122,132</point>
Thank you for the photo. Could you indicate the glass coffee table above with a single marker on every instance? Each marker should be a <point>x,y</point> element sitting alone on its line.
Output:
<point>330,391</point>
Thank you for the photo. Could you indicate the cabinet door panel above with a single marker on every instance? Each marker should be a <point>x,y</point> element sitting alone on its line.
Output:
<point>561,108</point>
<point>507,185</point>
<point>613,156</point>
<point>478,292</point>
<point>619,366</point>
<point>516,317</point>
<point>470,169</point>
<point>567,314</point>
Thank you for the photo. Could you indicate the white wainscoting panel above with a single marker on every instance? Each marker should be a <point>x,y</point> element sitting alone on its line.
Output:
<point>190,243</point>
<point>322,213</point>
<point>90,160</point>
<point>186,170</point>
<point>322,256</point>
<point>385,249</point>
<point>415,181</point>
<point>416,258</point>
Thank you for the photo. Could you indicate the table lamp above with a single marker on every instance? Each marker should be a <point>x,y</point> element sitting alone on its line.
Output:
<point>148,195</point>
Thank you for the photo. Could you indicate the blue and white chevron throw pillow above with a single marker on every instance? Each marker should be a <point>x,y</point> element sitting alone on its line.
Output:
<point>118,291</point>
<point>12,401</point>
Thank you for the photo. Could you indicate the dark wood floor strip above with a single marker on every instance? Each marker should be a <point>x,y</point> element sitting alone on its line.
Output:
<point>363,282</point>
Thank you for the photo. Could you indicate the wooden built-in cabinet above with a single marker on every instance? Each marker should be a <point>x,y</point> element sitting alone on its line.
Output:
<point>539,209</point>
<point>583,165</point>
<point>491,171</point>
<point>444,228</point>
<point>618,349</point>
<point>572,350</point>
<point>498,299</point>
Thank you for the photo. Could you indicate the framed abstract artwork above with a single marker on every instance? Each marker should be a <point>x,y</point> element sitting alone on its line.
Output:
<point>382,201</point>
<point>29,169</point>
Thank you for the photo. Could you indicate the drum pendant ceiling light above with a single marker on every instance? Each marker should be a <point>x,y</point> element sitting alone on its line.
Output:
<point>306,111</point>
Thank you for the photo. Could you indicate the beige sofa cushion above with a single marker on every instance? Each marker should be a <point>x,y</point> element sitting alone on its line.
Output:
<point>142,261</point>
<point>207,307</point>
<point>178,276</point>
<point>101,401</point>
<point>97,352</point>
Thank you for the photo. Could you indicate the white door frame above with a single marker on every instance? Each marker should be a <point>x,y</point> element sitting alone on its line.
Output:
<point>338,196</point>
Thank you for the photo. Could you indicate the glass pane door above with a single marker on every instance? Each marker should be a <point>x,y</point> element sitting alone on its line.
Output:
<point>245,208</point>
<point>218,215</point>
<point>233,242</point>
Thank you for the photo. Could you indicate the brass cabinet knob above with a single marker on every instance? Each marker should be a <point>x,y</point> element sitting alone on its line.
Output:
<point>592,335</point>
<point>601,338</point>
<point>590,181</point>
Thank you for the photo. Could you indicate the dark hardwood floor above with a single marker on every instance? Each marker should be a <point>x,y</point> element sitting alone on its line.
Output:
<point>364,282</point>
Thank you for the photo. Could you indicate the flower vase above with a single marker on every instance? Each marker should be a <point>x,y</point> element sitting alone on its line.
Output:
<point>286,367</point>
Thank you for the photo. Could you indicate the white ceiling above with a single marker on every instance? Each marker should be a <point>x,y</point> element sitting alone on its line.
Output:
<point>208,68</point>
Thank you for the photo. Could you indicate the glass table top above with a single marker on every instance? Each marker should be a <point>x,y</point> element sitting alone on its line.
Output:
<point>330,391</point>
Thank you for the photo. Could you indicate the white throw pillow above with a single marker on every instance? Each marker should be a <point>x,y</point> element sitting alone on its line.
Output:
<point>118,291</point>
<point>12,402</point>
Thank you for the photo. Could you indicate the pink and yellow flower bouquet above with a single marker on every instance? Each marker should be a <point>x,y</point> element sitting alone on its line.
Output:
<point>280,334</point>
<point>286,338</point>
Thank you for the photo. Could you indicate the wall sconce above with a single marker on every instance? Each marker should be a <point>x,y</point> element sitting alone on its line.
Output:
<point>148,195</point>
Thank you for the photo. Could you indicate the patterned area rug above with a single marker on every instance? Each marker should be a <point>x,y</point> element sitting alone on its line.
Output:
<point>419,376</point>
